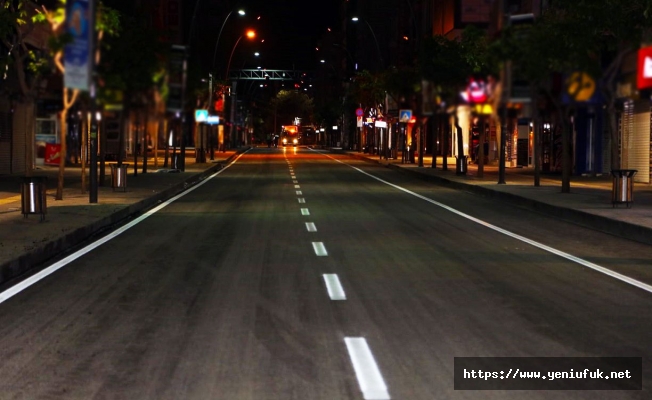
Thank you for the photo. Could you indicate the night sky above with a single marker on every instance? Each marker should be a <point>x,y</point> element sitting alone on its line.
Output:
<point>291,30</point>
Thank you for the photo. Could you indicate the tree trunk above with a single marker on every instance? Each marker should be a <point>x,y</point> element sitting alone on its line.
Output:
<point>613,128</point>
<point>566,158</point>
<point>447,133</point>
<point>436,131</point>
<point>481,155</point>
<point>536,128</point>
<point>62,153</point>
<point>102,152</point>
<point>145,139</point>
<point>83,133</point>
<point>124,117</point>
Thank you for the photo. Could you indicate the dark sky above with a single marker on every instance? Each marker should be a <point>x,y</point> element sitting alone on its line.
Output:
<point>291,30</point>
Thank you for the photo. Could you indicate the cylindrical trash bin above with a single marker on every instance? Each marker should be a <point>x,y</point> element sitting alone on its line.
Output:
<point>175,161</point>
<point>461,165</point>
<point>119,176</point>
<point>33,200</point>
<point>622,190</point>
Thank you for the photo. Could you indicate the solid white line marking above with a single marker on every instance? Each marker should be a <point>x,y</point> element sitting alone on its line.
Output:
<point>570,257</point>
<point>370,380</point>
<point>304,211</point>
<point>319,248</point>
<point>310,226</point>
<point>301,200</point>
<point>19,287</point>
<point>299,193</point>
<point>334,287</point>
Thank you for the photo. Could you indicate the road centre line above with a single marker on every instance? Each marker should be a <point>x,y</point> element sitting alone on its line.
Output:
<point>20,286</point>
<point>310,227</point>
<point>304,211</point>
<point>299,193</point>
<point>366,370</point>
<point>334,287</point>
<point>320,249</point>
<point>295,181</point>
<point>301,200</point>
<point>297,187</point>
<point>570,257</point>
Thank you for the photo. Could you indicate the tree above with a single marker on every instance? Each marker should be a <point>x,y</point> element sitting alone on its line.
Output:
<point>15,27</point>
<point>572,37</point>
<point>23,67</point>
<point>134,65</point>
<point>289,104</point>
<point>449,63</point>
<point>603,34</point>
<point>107,22</point>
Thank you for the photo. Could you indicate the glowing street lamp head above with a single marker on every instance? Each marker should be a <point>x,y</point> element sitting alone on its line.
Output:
<point>355,19</point>
<point>251,33</point>
<point>241,12</point>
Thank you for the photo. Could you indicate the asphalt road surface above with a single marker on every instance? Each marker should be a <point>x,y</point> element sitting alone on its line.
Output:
<point>300,274</point>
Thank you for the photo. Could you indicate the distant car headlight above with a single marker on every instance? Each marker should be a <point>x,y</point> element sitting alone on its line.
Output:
<point>285,140</point>
<point>295,141</point>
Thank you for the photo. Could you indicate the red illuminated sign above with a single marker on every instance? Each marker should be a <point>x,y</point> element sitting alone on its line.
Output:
<point>644,75</point>
<point>52,154</point>
<point>476,91</point>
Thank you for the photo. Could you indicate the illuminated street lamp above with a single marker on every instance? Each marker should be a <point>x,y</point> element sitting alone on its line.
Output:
<point>380,57</point>
<point>240,12</point>
<point>250,34</point>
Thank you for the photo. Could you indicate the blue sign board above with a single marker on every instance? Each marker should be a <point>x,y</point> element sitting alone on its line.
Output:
<point>78,54</point>
<point>201,115</point>
<point>405,115</point>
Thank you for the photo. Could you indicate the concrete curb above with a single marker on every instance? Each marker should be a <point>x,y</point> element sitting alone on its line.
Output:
<point>592,221</point>
<point>33,259</point>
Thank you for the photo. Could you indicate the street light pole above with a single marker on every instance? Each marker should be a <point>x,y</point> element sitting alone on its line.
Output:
<point>250,34</point>
<point>217,42</point>
<point>380,57</point>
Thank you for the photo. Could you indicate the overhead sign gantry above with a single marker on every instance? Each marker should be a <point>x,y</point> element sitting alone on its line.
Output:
<point>269,75</point>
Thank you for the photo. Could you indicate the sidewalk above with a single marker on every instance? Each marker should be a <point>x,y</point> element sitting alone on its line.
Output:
<point>589,202</point>
<point>27,241</point>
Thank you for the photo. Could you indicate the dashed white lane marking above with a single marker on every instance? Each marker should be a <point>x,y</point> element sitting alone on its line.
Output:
<point>319,248</point>
<point>297,186</point>
<point>310,227</point>
<point>334,287</point>
<point>570,257</point>
<point>305,211</point>
<point>19,287</point>
<point>370,380</point>
<point>301,200</point>
<point>295,181</point>
<point>299,193</point>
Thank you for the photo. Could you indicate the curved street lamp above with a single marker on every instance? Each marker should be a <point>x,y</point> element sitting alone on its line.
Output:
<point>250,34</point>
<point>380,57</point>
<point>217,42</point>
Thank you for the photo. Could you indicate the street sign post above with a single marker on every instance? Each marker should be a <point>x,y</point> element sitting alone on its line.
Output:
<point>405,115</point>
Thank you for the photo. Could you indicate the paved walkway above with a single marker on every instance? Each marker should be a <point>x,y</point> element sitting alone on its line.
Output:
<point>28,241</point>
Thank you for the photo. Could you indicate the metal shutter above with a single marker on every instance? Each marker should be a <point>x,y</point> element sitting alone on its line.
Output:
<point>639,143</point>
